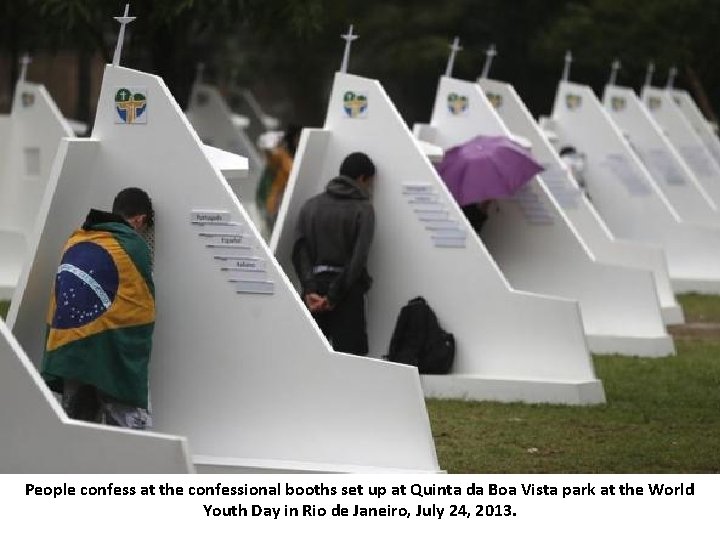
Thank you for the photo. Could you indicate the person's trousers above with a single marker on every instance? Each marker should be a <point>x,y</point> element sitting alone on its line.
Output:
<point>87,403</point>
<point>345,325</point>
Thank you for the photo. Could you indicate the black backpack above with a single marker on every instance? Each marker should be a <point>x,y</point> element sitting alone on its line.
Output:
<point>419,341</point>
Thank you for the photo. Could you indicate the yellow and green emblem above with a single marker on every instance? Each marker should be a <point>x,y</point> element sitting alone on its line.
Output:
<point>457,104</point>
<point>130,106</point>
<point>573,101</point>
<point>355,104</point>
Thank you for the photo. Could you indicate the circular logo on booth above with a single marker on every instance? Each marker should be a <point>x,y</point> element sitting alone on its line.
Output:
<point>573,101</point>
<point>27,99</point>
<point>457,104</point>
<point>654,103</point>
<point>131,106</point>
<point>355,104</point>
<point>86,285</point>
<point>618,103</point>
<point>496,100</point>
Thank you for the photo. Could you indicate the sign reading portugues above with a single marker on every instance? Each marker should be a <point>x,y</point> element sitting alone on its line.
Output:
<point>130,105</point>
<point>457,104</point>
<point>355,104</point>
<point>573,101</point>
<point>212,216</point>
<point>496,100</point>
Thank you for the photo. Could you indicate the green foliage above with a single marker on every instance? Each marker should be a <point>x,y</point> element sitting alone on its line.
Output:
<point>288,51</point>
<point>669,32</point>
<point>4,306</point>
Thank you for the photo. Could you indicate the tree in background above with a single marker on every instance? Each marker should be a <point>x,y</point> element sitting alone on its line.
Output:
<point>18,34</point>
<point>169,37</point>
<point>680,33</point>
<point>288,51</point>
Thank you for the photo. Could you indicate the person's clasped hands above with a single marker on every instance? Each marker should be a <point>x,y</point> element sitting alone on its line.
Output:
<point>317,303</point>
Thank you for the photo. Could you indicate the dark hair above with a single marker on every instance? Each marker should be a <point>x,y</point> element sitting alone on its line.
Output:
<point>292,132</point>
<point>565,150</point>
<point>356,165</point>
<point>131,202</point>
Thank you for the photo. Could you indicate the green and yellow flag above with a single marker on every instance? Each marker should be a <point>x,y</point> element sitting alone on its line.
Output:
<point>102,313</point>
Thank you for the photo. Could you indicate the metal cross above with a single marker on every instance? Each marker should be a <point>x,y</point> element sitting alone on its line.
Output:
<point>24,63</point>
<point>614,72</point>
<point>199,73</point>
<point>566,69</point>
<point>124,20</point>
<point>671,78</point>
<point>349,38</point>
<point>649,74</point>
<point>490,54</point>
<point>454,49</point>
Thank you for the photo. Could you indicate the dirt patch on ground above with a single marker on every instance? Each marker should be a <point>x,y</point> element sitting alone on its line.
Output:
<point>695,329</point>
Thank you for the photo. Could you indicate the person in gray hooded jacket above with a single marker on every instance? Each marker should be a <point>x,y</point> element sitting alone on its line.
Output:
<point>334,233</point>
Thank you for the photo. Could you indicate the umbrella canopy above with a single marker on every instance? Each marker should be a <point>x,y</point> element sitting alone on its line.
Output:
<point>486,168</point>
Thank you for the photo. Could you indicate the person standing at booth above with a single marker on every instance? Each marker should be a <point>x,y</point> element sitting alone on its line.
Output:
<point>102,315</point>
<point>279,162</point>
<point>334,233</point>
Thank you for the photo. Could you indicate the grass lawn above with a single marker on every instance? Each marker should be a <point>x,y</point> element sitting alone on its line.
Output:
<point>700,308</point>
<point>662,416</point>
<point>4,306</point>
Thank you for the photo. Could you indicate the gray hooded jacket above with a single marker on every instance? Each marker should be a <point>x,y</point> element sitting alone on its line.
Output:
<point>335,230</point>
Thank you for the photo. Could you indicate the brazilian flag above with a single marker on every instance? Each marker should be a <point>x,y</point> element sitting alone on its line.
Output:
<point>102,314</point>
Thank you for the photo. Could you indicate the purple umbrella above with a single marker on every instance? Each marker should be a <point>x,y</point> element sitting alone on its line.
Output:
<point>486,168</point>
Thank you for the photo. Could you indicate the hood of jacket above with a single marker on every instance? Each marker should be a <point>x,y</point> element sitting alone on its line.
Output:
<point>344,187</point>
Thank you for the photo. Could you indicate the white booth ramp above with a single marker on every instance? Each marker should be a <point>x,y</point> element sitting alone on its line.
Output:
<point>212,120</point>
<point>511,346</point>
<point>576,207</point>
<point>702,127</point>
<point>686,140</point>
<point>37,437</point>
<point>238,365</point>
<point>12,243</point>
<point>668,169</point>
<point>30,137</point>
<point>538,249</point>
<point>623,192</point>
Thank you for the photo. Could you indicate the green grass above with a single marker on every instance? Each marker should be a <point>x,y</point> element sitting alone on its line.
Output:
<point>4,306</point>
<point>700,308</point>
<point>661,416</point>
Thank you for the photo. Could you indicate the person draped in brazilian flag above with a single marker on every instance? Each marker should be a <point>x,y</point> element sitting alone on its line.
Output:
<point>102,315</point>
